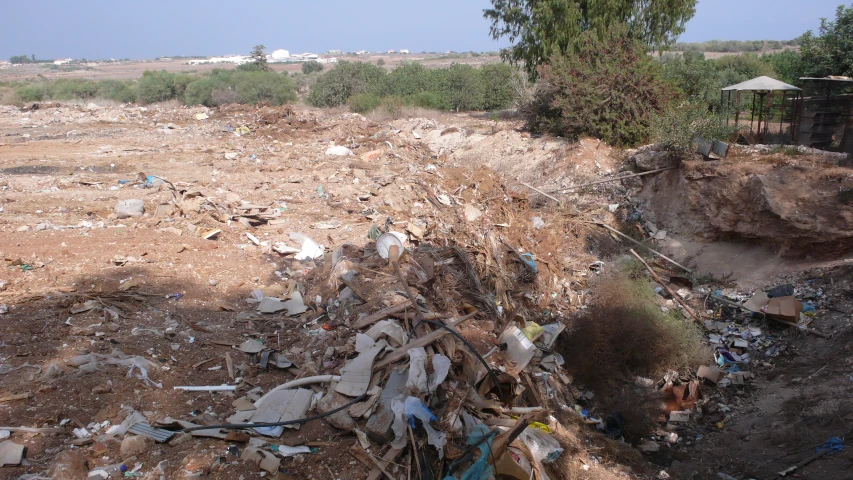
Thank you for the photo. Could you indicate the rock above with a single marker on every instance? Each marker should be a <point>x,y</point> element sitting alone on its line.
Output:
<point>102,388</point>
<point>129,208</point>
<point>40,227</point>
<point>134,446</point>
<point>24,228</point>
<point>68,465</point>
<point>180,438</point>
<point>472,213</point>
<point>331,401</point>
<point>652,160</point>
<point>648,446</point>
<point>338,150</point>
<point>92,106</point>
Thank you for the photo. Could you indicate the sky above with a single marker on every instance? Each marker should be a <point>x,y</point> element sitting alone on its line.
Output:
<point>138,29</point>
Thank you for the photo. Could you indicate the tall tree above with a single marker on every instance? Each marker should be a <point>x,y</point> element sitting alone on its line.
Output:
<point>831,52</point>
<point>539,29</point>
<point>259,61</point>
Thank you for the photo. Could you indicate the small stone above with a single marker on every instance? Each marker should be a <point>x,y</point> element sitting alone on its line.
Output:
<point>24,228</point>
<point>180,439</point>
<point>134,446</point>
<point>40,227</point>
<point>472,213</point>
<point>129,208</point>
<point>212,282</point>
<point>102,388</point>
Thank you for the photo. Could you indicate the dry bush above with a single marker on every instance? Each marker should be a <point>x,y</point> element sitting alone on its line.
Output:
<point>623,335</point>
<point>7,96</point>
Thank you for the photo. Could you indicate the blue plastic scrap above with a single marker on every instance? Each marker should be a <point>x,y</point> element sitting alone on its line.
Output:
<point>528,260</point>
<point>481,469</point>
<point>834,444</point>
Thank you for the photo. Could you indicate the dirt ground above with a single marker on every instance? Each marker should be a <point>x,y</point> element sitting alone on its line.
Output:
<point>454,181</point>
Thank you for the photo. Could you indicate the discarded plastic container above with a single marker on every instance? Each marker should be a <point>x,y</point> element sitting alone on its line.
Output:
<point>519,348</point>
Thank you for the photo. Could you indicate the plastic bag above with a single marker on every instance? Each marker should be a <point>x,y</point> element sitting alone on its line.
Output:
<point>416,408</point>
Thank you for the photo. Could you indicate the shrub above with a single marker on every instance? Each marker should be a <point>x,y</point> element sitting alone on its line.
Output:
<point>380,62</point>
<point>363,102</point>
<point>239,86</point>
<point>337,85</point>
<point>497,81</point>
<point>675,128</point>
<point>311,67</point>
<point>257,87</point>
<point>30,93</point>
<point>430,100</point>
<point>117,90</point>
<point>200,92</point>
<point>622,335</point>
<point>159,86</point>
<point>410,78</point>
<point>69,89</point>
<point>609,89</point>
<point>392,106</point>
<point>461,87</point>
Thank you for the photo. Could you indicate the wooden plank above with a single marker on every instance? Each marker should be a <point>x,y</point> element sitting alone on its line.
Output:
<point>375,317</point>
<point>664,285</point>
<point>420,342</point>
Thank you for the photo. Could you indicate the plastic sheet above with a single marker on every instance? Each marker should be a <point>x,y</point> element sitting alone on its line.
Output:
<point>415,408</point>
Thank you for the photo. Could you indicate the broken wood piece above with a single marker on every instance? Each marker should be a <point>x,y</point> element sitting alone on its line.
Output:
<point>381,314</point>
<point>559,202</point>
<point>17,396</point>
<point>202,363</point>
<point>420,342</point>
<point>660,281</point>
<point>644,246</point>
<point>389,456</point>
<point>229,364</point>
<point>394,254</point>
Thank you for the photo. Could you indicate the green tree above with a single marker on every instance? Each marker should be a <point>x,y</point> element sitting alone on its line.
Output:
<point>609,89</point>
<point>34,58</point>
<point>258,63</point>
<point>498,83</point>
<point>787,64</point>
<point>462,88</point>
<point>831,52</point>
<point>311,67</point>
<point>380,62</point>
<point>18,59</point>
<point>693,75</point>
<point>540,29</point>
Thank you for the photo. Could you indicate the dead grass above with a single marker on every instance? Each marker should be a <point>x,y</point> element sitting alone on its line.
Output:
<point>383,115</point>
<point>7,96</point>
<point>623,335</point>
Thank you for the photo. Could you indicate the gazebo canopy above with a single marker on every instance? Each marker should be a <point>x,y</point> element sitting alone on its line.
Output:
<point>762,83</point>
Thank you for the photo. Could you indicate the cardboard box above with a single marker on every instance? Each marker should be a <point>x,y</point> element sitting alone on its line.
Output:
<point>711,373</point>
<point>784,308</point>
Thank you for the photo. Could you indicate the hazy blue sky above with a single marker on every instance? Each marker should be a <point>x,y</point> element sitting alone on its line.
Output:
<point>98,29</point>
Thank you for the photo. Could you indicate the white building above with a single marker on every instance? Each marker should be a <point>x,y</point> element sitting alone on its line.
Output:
<point>404,51</point>
<point>392,51</point>
<point>62,61</point>
<point>334,52</point>
<point>280,55</point>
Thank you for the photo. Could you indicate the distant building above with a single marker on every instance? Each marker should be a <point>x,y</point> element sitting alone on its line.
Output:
<point>62,61</point>
<point>404,51</point>
<point>280,55</point>
<point>334,52</point>
<point>327,60</point>
<point>361,52</point>
<point>392,51</point>
<point>310,56</point>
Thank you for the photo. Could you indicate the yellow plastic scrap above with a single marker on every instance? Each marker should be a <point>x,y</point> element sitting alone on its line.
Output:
<point>540,426</point>
<point>244,130</point>
<point>532,331</point>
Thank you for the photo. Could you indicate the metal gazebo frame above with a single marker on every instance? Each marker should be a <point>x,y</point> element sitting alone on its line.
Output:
<point>767,90</point>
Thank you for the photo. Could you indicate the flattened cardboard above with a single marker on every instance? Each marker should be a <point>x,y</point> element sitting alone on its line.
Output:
<point>757,302</point>
<point>784,308</point>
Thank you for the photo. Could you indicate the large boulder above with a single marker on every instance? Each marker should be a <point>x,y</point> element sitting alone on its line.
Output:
<point>647,160</point>
<point>69,465</point>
